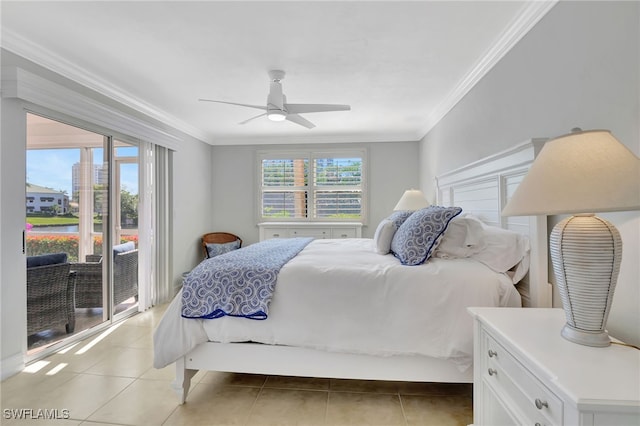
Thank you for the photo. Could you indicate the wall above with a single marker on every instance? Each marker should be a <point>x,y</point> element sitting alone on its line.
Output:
<point>13,293</point>
<point>579,67</point>
<point>192,205</point>
<point>393,167</point>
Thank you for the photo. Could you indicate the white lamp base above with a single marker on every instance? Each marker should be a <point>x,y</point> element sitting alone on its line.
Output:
<point>598,339</point>
<point>586,252</point>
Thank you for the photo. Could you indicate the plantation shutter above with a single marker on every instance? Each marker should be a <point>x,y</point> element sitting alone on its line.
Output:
<point>337,188</point>
<point>312,185</point>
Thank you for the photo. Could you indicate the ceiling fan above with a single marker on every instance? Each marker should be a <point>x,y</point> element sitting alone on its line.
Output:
<point>277,108</point>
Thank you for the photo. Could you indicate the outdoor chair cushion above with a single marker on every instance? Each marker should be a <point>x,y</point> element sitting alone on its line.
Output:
<point>46,259</point>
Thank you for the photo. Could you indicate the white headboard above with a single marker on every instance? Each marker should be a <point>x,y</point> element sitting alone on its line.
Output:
<point>483,188</point>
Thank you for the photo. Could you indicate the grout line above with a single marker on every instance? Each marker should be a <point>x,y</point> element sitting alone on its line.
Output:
<point>404,414</point>
<point>255,401</point>
<point>109,400</point>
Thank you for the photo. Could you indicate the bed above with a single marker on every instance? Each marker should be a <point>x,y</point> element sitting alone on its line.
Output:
<point>326,320</point>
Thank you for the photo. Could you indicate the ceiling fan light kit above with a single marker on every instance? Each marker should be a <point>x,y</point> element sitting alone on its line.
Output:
<point>277,108</point>
<point>276,115</point>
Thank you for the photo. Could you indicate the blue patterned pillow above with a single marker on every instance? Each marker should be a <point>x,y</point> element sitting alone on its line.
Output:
<point>399,217</point>
<point>419,235</point>
<point>216,249</point>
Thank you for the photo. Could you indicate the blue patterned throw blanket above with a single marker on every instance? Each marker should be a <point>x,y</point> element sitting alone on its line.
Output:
<point>239,283</point>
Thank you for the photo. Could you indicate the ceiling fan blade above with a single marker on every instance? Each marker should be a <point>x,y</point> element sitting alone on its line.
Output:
<point>253,118</point>
<point>303,108</point>
<point>234,103</point>
<point>301,121</point>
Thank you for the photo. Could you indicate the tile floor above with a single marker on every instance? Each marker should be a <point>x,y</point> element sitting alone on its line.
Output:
<point>85,319</point>
<point>108,379</point>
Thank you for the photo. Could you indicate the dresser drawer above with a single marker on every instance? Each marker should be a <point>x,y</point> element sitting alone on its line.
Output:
<point>344,233</point>
<point>268,233</point>
<point>507,375</point>
<point>310,232</point>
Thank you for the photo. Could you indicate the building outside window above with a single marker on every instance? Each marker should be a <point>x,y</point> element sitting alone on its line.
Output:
<point>46,200</point>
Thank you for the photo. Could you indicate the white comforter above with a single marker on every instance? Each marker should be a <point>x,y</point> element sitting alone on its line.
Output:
<point>340,295</point>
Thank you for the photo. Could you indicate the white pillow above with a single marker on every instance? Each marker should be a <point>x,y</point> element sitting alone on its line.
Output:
<point>463,238</point>
<point>520,270</point>
<point>383,236</point>
<point>504,249</point>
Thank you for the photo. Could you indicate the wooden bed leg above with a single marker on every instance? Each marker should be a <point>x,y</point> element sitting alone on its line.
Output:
<point>182,383</point>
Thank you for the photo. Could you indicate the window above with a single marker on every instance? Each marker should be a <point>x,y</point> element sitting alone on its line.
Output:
<point>312,186</point>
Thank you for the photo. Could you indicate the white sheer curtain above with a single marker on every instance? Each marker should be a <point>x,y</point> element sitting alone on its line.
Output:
<point>154,237</point>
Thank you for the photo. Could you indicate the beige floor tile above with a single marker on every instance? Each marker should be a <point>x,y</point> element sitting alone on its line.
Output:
<point>76,361</point>
<point>438,410</point>
<point>347,408</point>
<point>21,390</point>
<point>417,388</point>
<point>209,405</point>
<point>372,386</point>
<point>83,395</point>
<point>35,420</point>
<point>124,362</point>
<point>146,341</point>
<point>125,335</point>
<point>289,407</point>
<point>144,402</point>
<point>150,318</point>
<point>234,379</point>
<point>305,383</point>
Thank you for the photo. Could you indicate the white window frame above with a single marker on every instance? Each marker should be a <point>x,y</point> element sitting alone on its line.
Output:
<point>311,155</point>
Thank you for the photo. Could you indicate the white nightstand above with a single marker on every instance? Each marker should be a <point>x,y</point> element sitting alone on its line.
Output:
<point>525,373</point>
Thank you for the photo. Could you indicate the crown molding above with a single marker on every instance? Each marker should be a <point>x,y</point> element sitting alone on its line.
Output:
<point>35,53</point>
<point>519,27</point>
<point>21,84</point>
<point>316,139</point>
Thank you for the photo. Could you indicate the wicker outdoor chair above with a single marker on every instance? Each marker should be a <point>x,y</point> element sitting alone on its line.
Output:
<point>50,292</point>
<point>89,279</point>
<point>89,282</point>
<point>225,241</point>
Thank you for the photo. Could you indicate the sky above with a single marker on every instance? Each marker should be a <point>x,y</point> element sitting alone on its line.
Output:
<point>51,168</point>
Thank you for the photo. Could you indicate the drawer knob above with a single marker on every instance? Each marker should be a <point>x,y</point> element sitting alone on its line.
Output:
<point>276,235</point>
<point>493,372</point>
<point>344,235</point>
<point>492,353</point>
<point>541,404</point>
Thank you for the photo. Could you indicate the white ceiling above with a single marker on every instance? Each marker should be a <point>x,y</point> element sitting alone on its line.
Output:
<point>400,65</point>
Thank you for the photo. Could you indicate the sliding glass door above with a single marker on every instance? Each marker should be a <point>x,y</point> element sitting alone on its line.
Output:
<point>81,203</point>
<point>125,227</point>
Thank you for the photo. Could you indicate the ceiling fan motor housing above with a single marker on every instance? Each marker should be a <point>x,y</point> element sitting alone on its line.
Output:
<point>276,102</point>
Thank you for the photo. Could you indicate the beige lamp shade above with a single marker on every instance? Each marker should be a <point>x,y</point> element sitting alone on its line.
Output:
<point>412,199</point>
<point>582,172</point>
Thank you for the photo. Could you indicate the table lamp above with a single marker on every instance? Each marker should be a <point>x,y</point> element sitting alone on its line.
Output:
<point>412,200</point>
<point>582,173</point>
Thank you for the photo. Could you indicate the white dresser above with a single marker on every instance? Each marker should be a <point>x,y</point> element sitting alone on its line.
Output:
<point>309,229</point>
<point>525,373</point>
